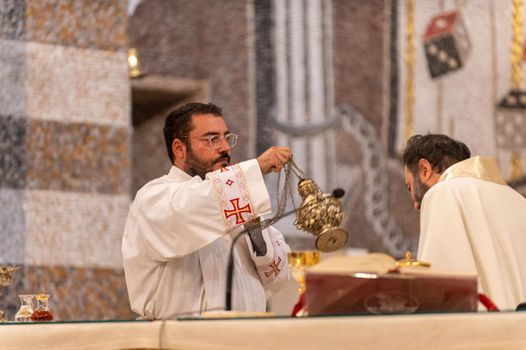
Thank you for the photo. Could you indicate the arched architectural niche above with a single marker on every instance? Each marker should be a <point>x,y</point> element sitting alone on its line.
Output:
<point>152,98</point>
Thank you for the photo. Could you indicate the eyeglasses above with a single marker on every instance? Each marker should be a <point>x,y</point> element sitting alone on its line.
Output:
<point>215,141</point>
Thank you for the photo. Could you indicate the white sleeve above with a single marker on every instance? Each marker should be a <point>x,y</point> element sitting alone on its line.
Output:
<point>273,267</point>
<point>175,219</point>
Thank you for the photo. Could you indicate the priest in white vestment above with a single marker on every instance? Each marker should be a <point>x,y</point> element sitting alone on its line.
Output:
<point>180,227</point>
<point>470,220</point>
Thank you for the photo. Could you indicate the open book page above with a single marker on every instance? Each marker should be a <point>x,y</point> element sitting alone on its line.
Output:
<point>377,263</point>
<point>372,263</point>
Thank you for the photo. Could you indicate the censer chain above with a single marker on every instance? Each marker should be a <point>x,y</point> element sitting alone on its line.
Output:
<point>284,191</point>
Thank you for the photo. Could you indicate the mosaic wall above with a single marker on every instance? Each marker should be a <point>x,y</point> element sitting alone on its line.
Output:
<point>327,78</point>
<point>465,97</point>
<point>380,216</point>
<point>64,153</point>
<point>459,99</point>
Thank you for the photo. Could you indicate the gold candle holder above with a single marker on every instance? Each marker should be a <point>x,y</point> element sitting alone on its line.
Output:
<point>6,278</point>
<point>299,262</point>
<point>6,274</point>
<point>133,63</point>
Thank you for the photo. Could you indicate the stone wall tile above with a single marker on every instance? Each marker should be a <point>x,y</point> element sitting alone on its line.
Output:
<point>97,24</point>
<point>74,229</point>
<point>77,85</point>
<point>12,77</point>
<point>13,19</point>
<point>12,226</point>
<point>359,60</point>
<point>13,165</point>
<point>77,157</point>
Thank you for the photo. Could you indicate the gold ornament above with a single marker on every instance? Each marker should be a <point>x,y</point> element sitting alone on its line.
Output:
<point>6,278</point>
<point>319,214</point>
<point>409,261</point>
<point>6,274</point>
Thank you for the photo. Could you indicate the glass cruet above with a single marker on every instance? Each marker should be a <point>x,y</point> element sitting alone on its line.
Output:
<point>26,308</point>
<point>42,312</point>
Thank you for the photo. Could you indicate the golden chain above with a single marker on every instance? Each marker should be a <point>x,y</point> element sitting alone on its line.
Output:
<point>286,191</point>
<point>410,68</point>
<point>282,198</point>
<point>516,45</point>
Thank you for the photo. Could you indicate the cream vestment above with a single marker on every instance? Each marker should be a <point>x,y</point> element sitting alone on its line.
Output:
<point>472,221</point>
<point>177,242</point>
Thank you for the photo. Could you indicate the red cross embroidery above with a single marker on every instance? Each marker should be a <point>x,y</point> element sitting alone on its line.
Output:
<point>237,211</point>
<point>229,182</point>
<point>275,268</point>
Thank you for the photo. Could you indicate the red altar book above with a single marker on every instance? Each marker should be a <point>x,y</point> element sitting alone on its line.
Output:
<point>353,286</point>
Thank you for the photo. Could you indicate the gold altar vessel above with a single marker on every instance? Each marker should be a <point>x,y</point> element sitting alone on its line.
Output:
<point>409,261</point>
<point>6,278</point>
<point>299,262</point>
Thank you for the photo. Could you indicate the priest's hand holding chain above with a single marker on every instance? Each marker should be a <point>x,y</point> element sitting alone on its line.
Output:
<point>273,159</point>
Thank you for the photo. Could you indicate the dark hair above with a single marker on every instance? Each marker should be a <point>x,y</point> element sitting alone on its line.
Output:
<point>178,123</point>
<point>441,152</point>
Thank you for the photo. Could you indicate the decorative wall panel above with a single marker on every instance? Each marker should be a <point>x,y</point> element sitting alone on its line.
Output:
<point>13,166</point>
<point>77,85</point>
<point>74,229</point>
<point>12,226</point>
<point>77,157</point>
<point>12,78</point>
<point>13,19</point>
<point>64,153</point>
<point>96,24</point>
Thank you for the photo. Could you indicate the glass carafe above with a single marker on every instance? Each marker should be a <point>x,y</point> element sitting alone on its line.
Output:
<point>26,308</point>
<point>42,312</point>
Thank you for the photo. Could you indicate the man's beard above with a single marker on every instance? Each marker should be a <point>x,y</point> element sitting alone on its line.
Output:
<point>195,166</point>
<point>420,189</point>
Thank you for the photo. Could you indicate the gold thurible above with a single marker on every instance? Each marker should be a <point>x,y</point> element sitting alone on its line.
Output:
<point>320,214</point>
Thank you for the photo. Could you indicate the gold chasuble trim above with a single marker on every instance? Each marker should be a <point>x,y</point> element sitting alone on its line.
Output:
<point>483,168</point>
